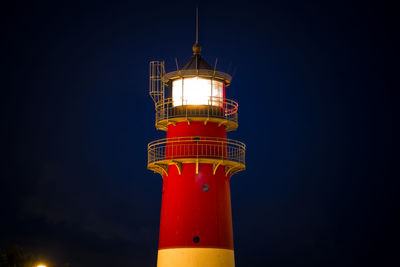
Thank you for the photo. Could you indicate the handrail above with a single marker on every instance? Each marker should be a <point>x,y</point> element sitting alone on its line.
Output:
<point>220,109</point>
<point>169,149</point>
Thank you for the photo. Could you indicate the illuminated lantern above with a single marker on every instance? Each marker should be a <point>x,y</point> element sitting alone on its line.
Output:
<point>196,161</point>
<point>196,83</point>
<point>197,91</point>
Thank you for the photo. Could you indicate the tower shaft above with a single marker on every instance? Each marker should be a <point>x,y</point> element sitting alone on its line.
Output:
<point>196,221</point>
<point>196,161</point>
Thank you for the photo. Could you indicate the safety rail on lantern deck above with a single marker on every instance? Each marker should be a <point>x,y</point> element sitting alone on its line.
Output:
<point>195,149</point>
<point>221,111</point>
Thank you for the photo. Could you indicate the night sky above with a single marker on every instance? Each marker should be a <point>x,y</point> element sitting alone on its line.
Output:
<point>315,110</point>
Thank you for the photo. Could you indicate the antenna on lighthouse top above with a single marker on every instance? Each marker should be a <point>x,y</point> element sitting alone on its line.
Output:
<point>197,25</point>
<point>196,47</point>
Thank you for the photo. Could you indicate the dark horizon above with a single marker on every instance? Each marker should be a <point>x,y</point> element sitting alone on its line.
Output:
<point>313,83</point>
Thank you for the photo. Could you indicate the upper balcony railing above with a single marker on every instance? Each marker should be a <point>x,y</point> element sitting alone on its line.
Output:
<point>219,110</point>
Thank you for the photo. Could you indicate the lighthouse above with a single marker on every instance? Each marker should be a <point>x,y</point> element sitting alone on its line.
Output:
<point>196,161</point>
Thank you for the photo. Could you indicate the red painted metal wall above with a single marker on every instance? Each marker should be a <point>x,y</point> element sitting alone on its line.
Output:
<point>196,208</point>
<point>196,128</point>
<point>189,211</point>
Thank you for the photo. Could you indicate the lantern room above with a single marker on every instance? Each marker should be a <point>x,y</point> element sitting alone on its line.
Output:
<point>197,83</point>
<point>195,92</point>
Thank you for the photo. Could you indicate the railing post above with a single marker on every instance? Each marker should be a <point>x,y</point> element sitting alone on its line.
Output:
<point>172,154</point>
<point>197,157</point>
<point>208,107</point>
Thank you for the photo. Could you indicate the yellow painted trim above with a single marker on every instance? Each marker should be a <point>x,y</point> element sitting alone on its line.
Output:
<point>163,124</point>
<point>215,166</point>
<point>195,257</point>
<point>227,170</point>
<point>178,166</point>
<point>163,167</point>
<point>233,167</point>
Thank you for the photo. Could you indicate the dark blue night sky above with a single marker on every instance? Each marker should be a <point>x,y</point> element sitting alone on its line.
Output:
<point>315,110</point>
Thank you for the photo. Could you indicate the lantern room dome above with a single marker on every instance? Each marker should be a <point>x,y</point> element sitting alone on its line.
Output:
<point>197,66</point>
<point>196,62</point>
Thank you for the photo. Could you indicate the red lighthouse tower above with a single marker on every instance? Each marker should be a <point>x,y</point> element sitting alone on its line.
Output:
<point>196,161</point>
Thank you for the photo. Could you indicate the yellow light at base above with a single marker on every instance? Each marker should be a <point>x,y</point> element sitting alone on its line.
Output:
<point>41,265</point>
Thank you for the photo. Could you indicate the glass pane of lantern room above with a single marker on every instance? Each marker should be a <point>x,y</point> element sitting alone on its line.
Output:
<point>196,91</point>
<point>217,93</point>
<point>177,99</point>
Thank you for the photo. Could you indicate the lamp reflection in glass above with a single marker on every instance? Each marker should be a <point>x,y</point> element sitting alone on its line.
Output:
<point>197,91</point>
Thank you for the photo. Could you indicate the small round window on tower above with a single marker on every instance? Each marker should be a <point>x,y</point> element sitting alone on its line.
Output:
<point>206,188</point>
<point>196,239</point>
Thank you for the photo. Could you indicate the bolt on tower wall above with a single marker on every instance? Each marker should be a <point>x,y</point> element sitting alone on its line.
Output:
<point>196,161</point>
